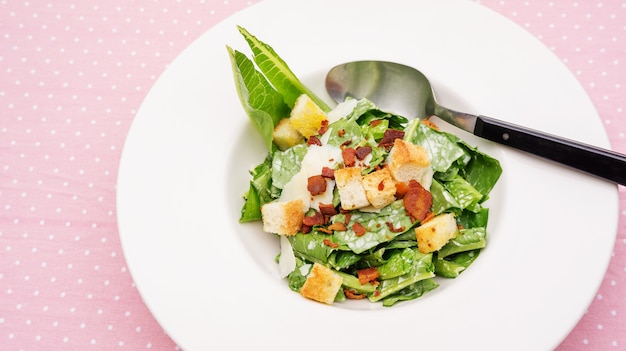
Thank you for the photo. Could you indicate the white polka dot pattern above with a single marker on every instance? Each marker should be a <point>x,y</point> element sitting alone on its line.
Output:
<point>72,76</point>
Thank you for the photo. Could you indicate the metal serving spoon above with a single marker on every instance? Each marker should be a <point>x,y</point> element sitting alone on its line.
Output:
<point>406,91</point>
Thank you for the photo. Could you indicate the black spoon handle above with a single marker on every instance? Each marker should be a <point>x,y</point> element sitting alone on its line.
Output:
<point>596,161</point>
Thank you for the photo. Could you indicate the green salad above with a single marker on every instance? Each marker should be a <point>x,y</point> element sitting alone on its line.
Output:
<point>366,204</point>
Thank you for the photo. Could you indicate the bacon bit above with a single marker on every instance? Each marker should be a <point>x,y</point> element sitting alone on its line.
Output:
<point>324,230</point>
<point>316,185</point>
<point>353,295</point>
<point>341,132</point>
<point>305,229</point>
<point>417,201</point>
<point>340,227</point>
<point>349,156</point>
<point>359,229</point>
<point>328,173</point>
<point>347,219</point>
<point>346,143</point>
<point>389,136</point>
<point>377,293</point>
<point>401,189</point>
<point>429,216</point>
<point>329,243</point>
<point>323,128</point>
<point>430,124</point>
<point>313,140</point>
<point>328,209</point>
<point>394,230</point>
<point>375,122</point>
<point>381,185</point>
<point>316,219</point>
<point>363,151</point>
<point>367,275</point>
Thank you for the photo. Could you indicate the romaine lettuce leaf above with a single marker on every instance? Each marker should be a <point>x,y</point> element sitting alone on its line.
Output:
<point>311,247</point>
<point>259,193</point>
<point>285,164</point>
<point>421,269</point>
<point>466,240</point>
<point>262,103</point>
<point>278,73</point>
<point>456,264</point>
<point>377,226</point>
<point>442,149</point>
<point>411,292</point>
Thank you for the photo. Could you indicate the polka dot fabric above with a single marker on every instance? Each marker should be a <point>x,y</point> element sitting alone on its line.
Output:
<point>72,76</point>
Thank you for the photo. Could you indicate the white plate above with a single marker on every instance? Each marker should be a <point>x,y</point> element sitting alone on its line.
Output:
<point>211,281</point>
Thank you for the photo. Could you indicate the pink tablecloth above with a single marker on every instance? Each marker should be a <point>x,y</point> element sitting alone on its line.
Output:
<point>72,76</point>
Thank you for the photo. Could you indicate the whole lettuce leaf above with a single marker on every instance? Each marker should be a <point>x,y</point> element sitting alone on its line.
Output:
<point>278,72</point>
<point>263,104</point>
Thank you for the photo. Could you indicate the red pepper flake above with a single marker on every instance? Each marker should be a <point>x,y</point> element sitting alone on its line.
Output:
<point>316,185</point>
<point>375,122</point>
<point>347,219</point>
<point>329,243</point>
<point>328,173</point>
<point>346,143</point>
<point>313,140</point>
<point>430,123</point>
<point>349,156</point>
<point>323,127</point>
<point>429,216</point>
<point>389,137</point>
<point>381,185</point>
<point>324,230</point>
<point>353,295</point>
<point>367,275</point>
<point>359,229</point>
<point>377,293</point>
<point>313,220</point>
<point>338,226</point>
<point>327,209</point>
<point>394,230</point>
<point>363,151</point>
<point>401,189</point>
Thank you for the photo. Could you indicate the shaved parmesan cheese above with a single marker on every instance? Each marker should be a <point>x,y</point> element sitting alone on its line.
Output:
<point>341,110</point>
<point>316,158</point>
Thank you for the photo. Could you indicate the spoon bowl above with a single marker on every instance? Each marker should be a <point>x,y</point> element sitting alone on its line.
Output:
<point>406,91</point>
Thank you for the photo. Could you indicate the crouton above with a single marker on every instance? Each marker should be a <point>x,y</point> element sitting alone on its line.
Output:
<point>408,161</point>
<point>286,136</point>
<point>306,117</point>
<point>379,188</point>
<point>350,187</point>
<point>322,284</point>
<point>283,218</point>
<point>434,234</point>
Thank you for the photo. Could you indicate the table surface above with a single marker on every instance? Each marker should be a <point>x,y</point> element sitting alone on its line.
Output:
<point>72,77</point>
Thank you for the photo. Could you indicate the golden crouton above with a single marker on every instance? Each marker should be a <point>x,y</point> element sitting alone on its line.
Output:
<point>283,218</point>
<point>379,188</point>
<point>350,187</point>
<point>285,136</point>
<point>408,161</point>
<point>435,233</point>
<point>322,284</point>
